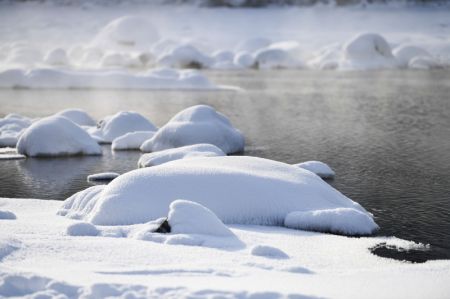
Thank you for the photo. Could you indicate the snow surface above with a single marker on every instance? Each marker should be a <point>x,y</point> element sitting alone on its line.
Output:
<point>194,125</point>
<point>78,116</point>
<point>56,136</point>
<point>41,259</point>
<point>131,140</point>
<point>184,152</point>
<point>119,124</point>
<point>244,190</point>
<point>317,167</point>
<point>269,252</point>
<point>102,176</point>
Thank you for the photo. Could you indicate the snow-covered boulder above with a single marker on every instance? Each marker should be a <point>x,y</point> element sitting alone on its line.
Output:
<point>423,63</point>
<point>119,124</point>
<point>82,229</point>
<point>184,152</point>
<point>253,44</point>
<point>244,60</point>
<point>238,189</point>
<point>317,167</point>
<point>194,125</point>
<point>188,217</point>
<point>368,51</point>
<point>102,176</point>
<point>404,54</point>
<point>78,116</point>
<point>11,127</point>
<point>223,56</point>
<point>185,56</point>
<point>56,136</point>
<point>346,221</point>
<point>326,58</point>
<point>131,141</point>
<point>274,58</point>
<point>56,57</point>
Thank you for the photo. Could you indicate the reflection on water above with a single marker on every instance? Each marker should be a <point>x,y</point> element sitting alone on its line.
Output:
<point>386,134</point>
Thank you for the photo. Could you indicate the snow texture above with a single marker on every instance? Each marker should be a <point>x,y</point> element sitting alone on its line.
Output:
<point>194,125</point>
<point>184,152</point>
<point>82,229</point>
<point>78,116</point>
<point>319,168</point>
<point>268,252</point>
<point>131,140</point>
<point>7,215</point>
<point>103,176</point>
<point>56,136</point>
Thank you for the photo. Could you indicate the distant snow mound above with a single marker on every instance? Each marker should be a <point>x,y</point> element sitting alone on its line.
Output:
<point>7,215</point>
<point>238,189</point>
<point>57,57</point>
<point>319,168</point>
<point>194,125</point>
<point>82,229</point>
<point>102,176</point>
<point>253,44</point>
<point>269,252</point>
<point>184,152</point>
<point>78,116</point>
<point>127,32</point>
<point>347,221</point>
<point>423,63</point>
<point>368,51</point>
<point>275,59</point>
<point>119,124</point>
<point>405,54</point>
<point>11,128</point>
<point>131,140</point>
<point>187,217</point>
<point>185,56</point>
<point>244,60</point>
<point>56,136</point>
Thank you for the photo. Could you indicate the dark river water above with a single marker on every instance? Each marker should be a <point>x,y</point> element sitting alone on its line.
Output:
<point>386,134</point>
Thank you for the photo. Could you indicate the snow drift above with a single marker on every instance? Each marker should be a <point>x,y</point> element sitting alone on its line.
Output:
<point>317,167</point>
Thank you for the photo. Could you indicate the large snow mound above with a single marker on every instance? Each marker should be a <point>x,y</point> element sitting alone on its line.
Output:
<point>78,116</point>
<point>194,125</point>
<point>319,168</point>
<point>237,189</point>
<point>347,221</point>
<point>119,124</point>
<point>187,217</point>
<point>56,136</point>
<point>184,152</point>
<point>64,79</point>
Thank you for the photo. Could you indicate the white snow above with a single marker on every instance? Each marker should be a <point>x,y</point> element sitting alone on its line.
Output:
<point>119,124</point>
<point>406,53</point>
<point>253,44</point>
<point>7,215</point>
<point>347,221</point>
<point>102,176</point>
<point>194,125</point>
<point>423,63</point>
<point>188,217</point>
<point>185,56</point>
<point>78,116</point>
<point>184,152</point>
<point>82,229</point>
<point>269,252</point>
<point>56,136</point>
<point>317,167</point>
<point>57,57</point>
<point>271,58</point>
<point>11,127</point>
<point>131,140</point>
<point>246,190</point>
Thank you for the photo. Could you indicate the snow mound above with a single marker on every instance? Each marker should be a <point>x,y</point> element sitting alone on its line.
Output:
<point>274,58</point>
<point>103,176</point>
<point>82,229</point>
<point>244,60</point>
<point>131,141</point>
<point>253,44</point>
<point>185,56</point>
<point>423,63</point>
<point>78,116</point>
<point>404,54</point>
<point>11,127</point>
<point>56,136</point>
<point>319,168</point>
<point>269,252</point>
<point>194,125</point>
<point>119,124</point>
<point>57,57</point>
<point>184,152</point>
<point>245,190</point>
<point>129,32</point>
<point>187,217</point>
<point>7,215</point>
<point>368,51</point>
<point>64,79</point>
<point>347,221</point>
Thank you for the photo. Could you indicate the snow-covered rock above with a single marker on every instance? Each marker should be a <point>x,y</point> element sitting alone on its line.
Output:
<point>78,116</point>
<point>184,152</point>
<point>223,56</point>
<point>317,167</point>
<point>368,51</point>
<point>346,221</point>
<point>187,217</point>
<point>244,60</point>
<point>194,125</point>
<point>7,215</point>
<point>274,58</point>
<point>326,58</point>
<point>423,63</point>
<point>56,136</point>
<point>11,127</point>
<point>131,141</point>
<point>56,57</point>
<point>119,124</point>
<point>404,54</point>
<point>102,176</point>
<point>185,56</point>
<point>269,252</point>
<point>253,44</point>
<point>238,189</point>
<point>82,229</point>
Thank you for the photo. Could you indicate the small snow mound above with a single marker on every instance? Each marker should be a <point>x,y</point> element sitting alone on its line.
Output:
<point>131,141</point>
<point>269,252</point>
<point>273,58</point>
<point>253,44</point>
<point>244,60</point>
<point>184,152</point>
<point>195,125</point>
<point>347,221</point>
<point>185,56</point>
<point>7,215</point>
<point>319,168</point>
<point>82,229</point>
<point>119,124</point>
<point>405,54</point>
<point>103,176</point>
<point>423,63</point>
<point>11,128</point>
<point>188,217</point>
<point>56,57</point>
<point>80,203</point>
<point>56,136</point>
<point>78,116</point>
